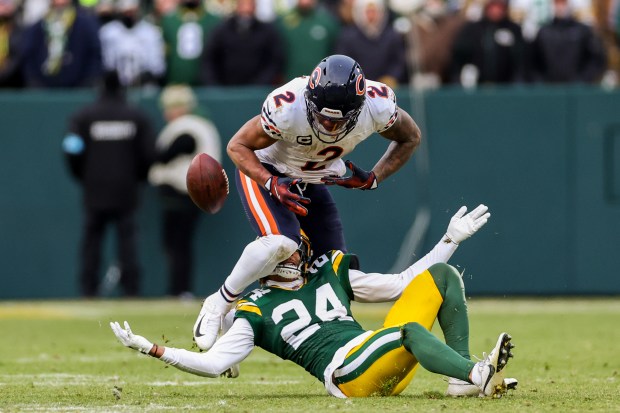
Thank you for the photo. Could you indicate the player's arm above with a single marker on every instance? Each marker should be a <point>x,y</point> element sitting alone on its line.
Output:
<point>249,138</point>
<point>406,137</point>
<point>252,137</point>
<point>375,287</point>
<point>232,348</point>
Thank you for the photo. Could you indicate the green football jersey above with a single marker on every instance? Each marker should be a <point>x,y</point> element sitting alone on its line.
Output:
<point>185,34</point>
<point>308,38</point>
<point>308,325</point>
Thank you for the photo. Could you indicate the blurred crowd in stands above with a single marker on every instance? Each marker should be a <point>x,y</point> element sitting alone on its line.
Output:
<point>153,43</point>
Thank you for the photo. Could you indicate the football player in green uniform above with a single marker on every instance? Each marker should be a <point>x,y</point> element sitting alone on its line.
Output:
<point>303,313</point>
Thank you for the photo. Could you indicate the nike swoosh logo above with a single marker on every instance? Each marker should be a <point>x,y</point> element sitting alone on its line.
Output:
<point>197,332</point>
<point>488,378</point>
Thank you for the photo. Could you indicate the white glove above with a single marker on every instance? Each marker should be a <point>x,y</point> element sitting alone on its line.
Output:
<point>232,372</point>
<point>129,339</point>
<point>462,227</point>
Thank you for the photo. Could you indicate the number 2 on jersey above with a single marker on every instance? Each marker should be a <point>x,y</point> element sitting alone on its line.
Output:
<point>288,97</point>
<point>332,152</point>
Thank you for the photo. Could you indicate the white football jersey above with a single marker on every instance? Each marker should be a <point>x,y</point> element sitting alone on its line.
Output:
<point>298,152</point>
<point>132,51</point>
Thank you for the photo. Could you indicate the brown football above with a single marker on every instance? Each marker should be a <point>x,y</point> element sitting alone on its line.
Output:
<point>207,183</point>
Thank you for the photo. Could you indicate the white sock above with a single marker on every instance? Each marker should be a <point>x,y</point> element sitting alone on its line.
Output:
<point>227,295</point>
<point>258,260</point>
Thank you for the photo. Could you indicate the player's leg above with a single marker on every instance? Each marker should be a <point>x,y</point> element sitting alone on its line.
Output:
<point>94,226</point>
<point>454,321</point>
<point>322,225</point>
<point>277,229</point>
<point>435,356</point>
<point>436,293</point>
<point>179,224</point>
<point>127,252</point>
<point>439,293</point>
<point>278,237</point>
<point>376,366</point>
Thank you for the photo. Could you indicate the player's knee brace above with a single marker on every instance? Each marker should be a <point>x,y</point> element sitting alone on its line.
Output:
<point>445,276</point>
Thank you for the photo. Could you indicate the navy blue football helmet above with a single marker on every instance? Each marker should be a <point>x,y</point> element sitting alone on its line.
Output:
<point>335,94</point>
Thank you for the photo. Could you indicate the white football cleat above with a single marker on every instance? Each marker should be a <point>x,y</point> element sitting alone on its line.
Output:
<point>491,368</point>
<point>461,388</point>
<point>209,321</point>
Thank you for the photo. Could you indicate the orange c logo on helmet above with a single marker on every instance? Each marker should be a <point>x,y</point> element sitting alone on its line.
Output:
<point>360,85</point>
<point>314,78</point>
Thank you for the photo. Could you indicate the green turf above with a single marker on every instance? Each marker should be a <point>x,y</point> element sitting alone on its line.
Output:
<point>62,356</point>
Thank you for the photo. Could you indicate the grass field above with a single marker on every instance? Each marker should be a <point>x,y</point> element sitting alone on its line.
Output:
<point>62,356</point>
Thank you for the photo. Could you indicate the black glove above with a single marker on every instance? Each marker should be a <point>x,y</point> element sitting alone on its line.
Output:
<point>279,188</point>
<point>360,179</point>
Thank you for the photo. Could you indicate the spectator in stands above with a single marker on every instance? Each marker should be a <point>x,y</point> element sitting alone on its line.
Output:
<point>185,34</point>
<point>533,14</point>
<point>31,11</point>
<point>374,44</point>
<point>309,32</point>
<point>434,28</point>
<point>614,17</point>
<point>243,50</point>
<point>342,9</point>
<point>105,10</point>
<point>603,26</point>
<point>109,148</point>
<point>613,21</point>
<point>133,47</point>
<point>161,8</point>
<point>566,50</point>
<point>185,135</point>
<point>10,43</point>
<point>490,50</point>
<point>220,8</point>
<point>62,49</point>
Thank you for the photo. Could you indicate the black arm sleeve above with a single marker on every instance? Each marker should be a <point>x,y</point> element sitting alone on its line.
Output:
<point>183,144</point>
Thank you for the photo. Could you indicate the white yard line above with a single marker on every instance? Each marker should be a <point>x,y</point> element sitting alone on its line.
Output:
<point>66,379</point>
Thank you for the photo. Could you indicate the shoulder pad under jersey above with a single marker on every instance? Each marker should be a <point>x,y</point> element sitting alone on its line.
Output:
<point>381,102</point>
<point>283,107</point>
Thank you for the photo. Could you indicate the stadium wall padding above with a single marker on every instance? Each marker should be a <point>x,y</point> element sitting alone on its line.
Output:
<point>546,161</point>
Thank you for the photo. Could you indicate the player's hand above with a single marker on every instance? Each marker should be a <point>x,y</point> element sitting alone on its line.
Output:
<point>129,339</point>
<point>464,226</point>
<point>232,372</point>
<point>360,179</point>
<point>280,188</point>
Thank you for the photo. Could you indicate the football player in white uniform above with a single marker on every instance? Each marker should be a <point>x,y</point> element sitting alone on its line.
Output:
<point>289,153</point>
<point>307,319</point>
